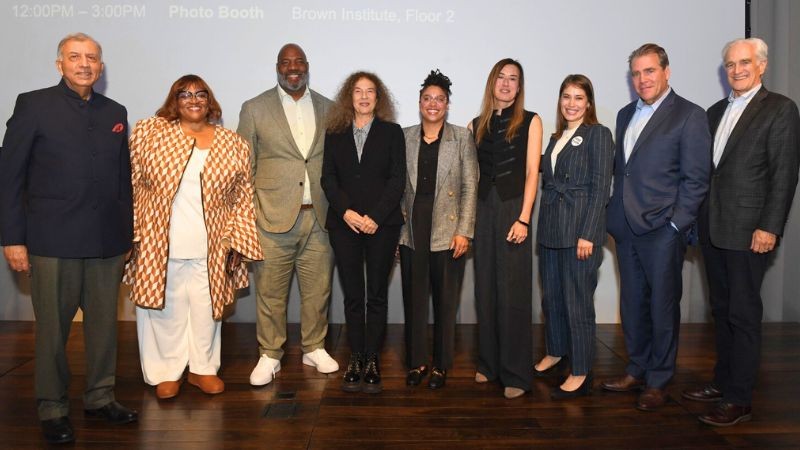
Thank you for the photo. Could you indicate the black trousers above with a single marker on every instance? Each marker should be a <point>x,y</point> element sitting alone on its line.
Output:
<point>425,273</point>
<point>503,294</point>
<point>366,325</point>
<point>734,285</point>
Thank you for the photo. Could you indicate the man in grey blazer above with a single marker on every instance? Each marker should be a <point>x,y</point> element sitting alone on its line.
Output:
<point>285,127</point>
<point>755,157</point>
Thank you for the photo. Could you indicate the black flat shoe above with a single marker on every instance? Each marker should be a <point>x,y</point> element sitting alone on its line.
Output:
<point>584,389</point>
<point>438,378</point>
<point>553,370</point>
<point>352,377</point>
<point>114,413</point>
<point>58,430</point>
<point>415,376</point>
<point>372,375</point>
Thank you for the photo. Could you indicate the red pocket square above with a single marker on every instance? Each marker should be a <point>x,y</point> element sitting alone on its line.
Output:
<point>118,128</point>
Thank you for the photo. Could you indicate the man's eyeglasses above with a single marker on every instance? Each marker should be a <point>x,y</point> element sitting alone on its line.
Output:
<point>185,96</point>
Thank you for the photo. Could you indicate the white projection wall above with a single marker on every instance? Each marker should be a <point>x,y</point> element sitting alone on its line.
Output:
<point>233,45</point>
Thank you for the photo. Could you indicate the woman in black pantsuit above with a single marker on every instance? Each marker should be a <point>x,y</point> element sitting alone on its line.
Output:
<point>363,176</point>
<point>576,180</point>
<point>439,205</point>
<point>509,140</point>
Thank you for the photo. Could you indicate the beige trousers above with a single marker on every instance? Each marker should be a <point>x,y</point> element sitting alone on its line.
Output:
<point>306,251</point>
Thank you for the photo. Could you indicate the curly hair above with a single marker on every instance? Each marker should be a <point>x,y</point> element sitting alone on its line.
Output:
<point>438,79</point>
<point>169,110</point>
<point>342,113</point>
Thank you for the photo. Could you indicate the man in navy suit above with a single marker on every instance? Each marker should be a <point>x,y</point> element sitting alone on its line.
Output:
<point>661,173</point>
<point>756,154</point>
<point>66,219</point>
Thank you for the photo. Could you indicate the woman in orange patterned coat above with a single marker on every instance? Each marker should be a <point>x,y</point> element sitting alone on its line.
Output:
<point>194,223</point>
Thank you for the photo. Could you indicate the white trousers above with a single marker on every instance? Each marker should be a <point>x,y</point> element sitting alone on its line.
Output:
<point>184,332</point>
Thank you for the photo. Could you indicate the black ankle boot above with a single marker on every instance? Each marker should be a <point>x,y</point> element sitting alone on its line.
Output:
<point>353,375</point>
<point>372,375</point>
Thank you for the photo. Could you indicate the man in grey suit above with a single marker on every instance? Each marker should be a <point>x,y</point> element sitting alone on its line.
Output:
<point>285,127</point>
<point>755,157</point>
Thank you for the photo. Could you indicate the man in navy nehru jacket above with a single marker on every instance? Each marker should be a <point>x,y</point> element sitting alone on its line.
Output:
<point>66,220</point>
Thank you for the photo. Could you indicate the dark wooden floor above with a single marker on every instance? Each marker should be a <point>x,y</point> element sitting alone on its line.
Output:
<point>305,409</point>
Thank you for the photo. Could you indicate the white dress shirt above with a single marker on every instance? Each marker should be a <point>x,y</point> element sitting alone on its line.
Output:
<point>302,123</point>
<point>736,106</point>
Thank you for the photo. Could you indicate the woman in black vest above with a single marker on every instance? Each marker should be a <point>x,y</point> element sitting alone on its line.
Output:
<point>509,141</point>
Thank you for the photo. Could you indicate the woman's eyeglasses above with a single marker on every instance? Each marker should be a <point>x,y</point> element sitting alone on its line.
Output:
<point>185,96</point>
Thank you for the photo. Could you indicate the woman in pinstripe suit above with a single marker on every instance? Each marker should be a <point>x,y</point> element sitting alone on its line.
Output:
<point>576,179</point>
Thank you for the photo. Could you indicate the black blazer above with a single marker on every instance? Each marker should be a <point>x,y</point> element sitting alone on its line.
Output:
<point>753,185</point>
<point>574,197</point>
<point>373,186</point>
<point>65,176</point>
<point>666,176</point>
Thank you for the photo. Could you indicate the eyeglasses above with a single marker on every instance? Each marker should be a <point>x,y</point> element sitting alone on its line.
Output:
<point>185,96</point>
<point>429,99</point>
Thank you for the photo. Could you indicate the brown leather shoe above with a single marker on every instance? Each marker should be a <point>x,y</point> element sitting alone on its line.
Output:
<point>706,394</point>
<point>622,384</point>
<point>210,384</point>
<point>168,389</point>
<point>726,414</point>
<point>651,399</point>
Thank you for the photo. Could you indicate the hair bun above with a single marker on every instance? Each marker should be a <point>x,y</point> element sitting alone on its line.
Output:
<point>437,78</point>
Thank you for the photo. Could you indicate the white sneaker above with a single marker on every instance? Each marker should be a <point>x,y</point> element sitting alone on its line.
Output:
<point>320,359</point>
<point>265,371</point>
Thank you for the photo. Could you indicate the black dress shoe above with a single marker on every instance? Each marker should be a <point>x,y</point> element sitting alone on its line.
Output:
<point>706,394</point>
<point>438,378</point>
<point>726,414</point>
<point>553,370</point>
<point>583,389</point>
<point>352,377</point>
<point>415,376</point>
<point>58,430</point>
<point>372,375</point>
<point>114,413</point>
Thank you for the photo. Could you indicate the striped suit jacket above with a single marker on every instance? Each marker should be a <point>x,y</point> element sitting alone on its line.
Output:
<point>574,196</point>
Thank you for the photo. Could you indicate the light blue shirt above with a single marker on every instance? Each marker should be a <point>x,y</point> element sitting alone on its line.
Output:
<point>639,120</point>
<point>736,106</point>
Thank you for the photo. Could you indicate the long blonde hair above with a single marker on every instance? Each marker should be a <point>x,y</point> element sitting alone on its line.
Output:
<point>487,106</point>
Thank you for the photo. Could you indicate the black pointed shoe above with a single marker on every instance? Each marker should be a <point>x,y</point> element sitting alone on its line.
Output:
<point>553,370</point>
<point>584,389</point>
<point>415,376</point>
<point>438,378</point>
<point>114,413</point>
<point>354,373</point>
<point>372,375</point>
<point>58,430</point>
